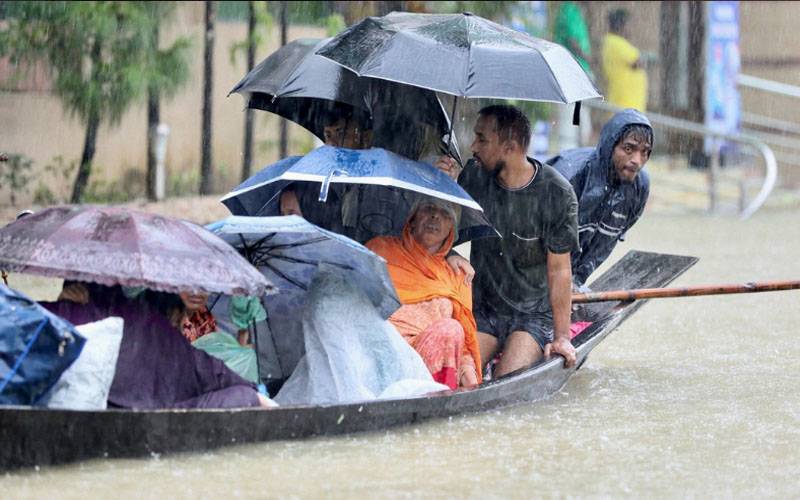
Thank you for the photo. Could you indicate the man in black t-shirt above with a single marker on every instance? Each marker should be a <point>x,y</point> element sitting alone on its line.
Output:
<point>522,286</point>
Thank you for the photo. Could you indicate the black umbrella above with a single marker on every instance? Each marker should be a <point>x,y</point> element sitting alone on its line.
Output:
<point>303,87</point>
<point>462,55</point>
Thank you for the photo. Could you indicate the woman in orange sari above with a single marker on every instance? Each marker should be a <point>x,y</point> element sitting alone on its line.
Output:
<point>436,315</point>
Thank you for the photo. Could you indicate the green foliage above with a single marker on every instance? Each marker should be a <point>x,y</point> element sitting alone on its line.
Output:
<point>232,11</point>
<point>15,174</point>
<point>334,24</point>
<point>165,70</point>
<point>62,171</point>
<point>314,13</point>
<point>130,187</point>
<point>43,196</point>
<point>496,11</point>
<point>264,22</point>
<point>94,50</point>
<point>182,183</point>
<point>102,56</point>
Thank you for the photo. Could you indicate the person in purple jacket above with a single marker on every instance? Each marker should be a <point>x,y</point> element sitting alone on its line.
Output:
<point>157,367</point>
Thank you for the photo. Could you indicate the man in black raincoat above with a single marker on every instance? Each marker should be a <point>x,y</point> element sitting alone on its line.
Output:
<point>611,187</point>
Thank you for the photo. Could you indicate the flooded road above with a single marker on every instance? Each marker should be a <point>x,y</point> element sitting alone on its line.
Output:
<point>690,397</point>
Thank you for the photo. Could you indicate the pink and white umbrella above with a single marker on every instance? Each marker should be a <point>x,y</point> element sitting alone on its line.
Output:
<point>120,246</point>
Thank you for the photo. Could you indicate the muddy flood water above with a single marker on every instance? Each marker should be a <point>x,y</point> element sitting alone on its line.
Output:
<point>691,397</point>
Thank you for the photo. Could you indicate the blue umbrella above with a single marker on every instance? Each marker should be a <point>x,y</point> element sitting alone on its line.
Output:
<point>289,250</point>
<point>330,165</point>
<point>36,347</point>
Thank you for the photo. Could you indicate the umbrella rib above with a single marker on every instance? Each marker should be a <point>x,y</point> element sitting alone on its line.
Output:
<point>295,260</point>
<point>285,277</point>
<point>245,247</point>
<point>284,246</point>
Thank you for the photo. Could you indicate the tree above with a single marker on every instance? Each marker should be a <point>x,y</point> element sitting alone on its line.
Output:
<point>496,11</point>
<point>247,156</point>
<point>166,71</point>
<point>206,174</point>
<point>94,53</point>
<point>283,134</point>
<point>259,22</point>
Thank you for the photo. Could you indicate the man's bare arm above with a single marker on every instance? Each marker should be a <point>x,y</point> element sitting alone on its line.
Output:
<point>559,281</point>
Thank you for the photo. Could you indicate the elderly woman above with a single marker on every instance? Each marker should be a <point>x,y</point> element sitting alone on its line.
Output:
<point>436,315</point>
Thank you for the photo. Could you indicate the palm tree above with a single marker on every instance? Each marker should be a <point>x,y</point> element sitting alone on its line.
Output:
<point>206,174</point>
<point>247,156</point>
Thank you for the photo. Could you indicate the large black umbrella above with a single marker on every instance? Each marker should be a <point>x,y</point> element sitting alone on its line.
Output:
<point>303,87</point>
<point>462,55</point>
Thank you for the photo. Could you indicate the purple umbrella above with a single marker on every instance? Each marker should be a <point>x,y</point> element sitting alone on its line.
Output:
<point>118,246</point>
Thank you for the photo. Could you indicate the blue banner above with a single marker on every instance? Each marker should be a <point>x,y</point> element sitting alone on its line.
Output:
<point>723,61</point>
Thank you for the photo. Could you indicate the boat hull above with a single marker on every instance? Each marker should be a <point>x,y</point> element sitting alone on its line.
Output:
<point>38,436</point>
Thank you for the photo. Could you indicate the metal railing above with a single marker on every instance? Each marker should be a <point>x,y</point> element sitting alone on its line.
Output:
<point>768,85</point>
<point>782,135</point>
<point>770,163</point>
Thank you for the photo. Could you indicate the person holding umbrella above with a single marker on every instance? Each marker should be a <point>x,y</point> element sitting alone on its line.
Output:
<point>343,127</point>
<point>360,212</point>
<point>522,288</point>
<point>115,247</point>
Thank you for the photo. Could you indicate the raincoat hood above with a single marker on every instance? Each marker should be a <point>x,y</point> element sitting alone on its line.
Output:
<point>611,133</point>
<point>606,208</point>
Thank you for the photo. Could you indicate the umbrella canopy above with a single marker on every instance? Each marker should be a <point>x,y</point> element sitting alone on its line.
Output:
<point>375,166</point>
<point>303,87</point>
<point>118,246</point>
<point>462,55</point>
<point>289,251</point>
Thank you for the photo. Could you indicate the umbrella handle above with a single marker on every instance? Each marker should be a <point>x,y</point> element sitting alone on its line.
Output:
<point>326,184</point>
<point>450,145</point>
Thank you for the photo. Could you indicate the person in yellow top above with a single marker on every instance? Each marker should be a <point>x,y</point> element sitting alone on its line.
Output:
<point>622,66</point>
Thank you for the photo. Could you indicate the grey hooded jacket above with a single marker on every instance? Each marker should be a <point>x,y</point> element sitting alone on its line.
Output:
<point>607,208</point>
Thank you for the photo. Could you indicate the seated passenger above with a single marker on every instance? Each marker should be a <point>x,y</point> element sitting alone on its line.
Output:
<point>188,313</point>
<point>351,352</point>
<point>157,367</point>
<point>359,211</point>
<point>343,127</point>
<point>436,315</point>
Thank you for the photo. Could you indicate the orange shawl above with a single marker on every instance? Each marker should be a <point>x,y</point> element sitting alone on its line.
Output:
<point>418,276</point>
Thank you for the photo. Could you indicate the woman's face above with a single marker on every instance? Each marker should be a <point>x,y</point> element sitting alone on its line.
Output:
<point>193,302</point>
<point>431,226</point>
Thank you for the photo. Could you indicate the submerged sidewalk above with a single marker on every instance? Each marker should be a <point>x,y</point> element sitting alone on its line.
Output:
<point>677,189</point>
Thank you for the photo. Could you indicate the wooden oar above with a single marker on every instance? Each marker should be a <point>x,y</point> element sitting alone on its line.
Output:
<point>687,291</point>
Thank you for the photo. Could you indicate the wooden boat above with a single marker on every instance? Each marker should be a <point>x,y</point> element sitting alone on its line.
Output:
<point>36,436</point>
